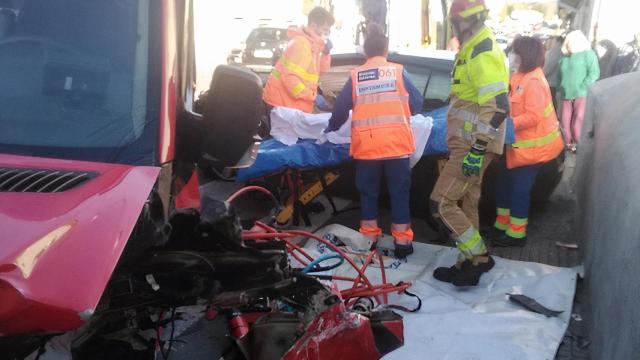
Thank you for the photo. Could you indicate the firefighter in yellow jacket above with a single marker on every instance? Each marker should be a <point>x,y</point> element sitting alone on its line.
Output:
<point>293,82</point>
<point>478,107</point>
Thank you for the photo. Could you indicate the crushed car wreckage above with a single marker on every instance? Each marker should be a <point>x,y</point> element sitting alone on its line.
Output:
<point>98,246</point>
<point>273,310</point>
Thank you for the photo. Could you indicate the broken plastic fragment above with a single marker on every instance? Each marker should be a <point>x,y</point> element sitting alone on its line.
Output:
<point>533,305</point>
<point>152,281</point>
<point>566,245</point>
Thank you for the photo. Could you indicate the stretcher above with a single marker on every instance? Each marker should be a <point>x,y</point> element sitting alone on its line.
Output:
<point>307,169</point>
<point>274,157</point>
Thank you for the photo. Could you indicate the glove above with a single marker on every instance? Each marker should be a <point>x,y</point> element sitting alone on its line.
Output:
<point>472,162</point>
<point>327,47</point>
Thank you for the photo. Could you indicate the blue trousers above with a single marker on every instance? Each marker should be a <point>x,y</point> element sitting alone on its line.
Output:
<point>398,176</point>
<point>513,188</point>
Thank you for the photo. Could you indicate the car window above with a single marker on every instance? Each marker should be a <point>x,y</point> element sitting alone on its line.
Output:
<point>438,90</point>
<point>419,76</point>
<point>439,87</point>
<point>434,85</point>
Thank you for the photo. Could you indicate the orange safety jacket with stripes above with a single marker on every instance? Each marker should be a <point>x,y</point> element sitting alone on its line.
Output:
<point>293,82</point>
<point>380,123</point>
<point>536,125</point>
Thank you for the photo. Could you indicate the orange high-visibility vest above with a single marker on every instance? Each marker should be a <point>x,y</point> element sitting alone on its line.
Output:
<point>294,79</point>
<point>380,126</point>
<point>536,125</point>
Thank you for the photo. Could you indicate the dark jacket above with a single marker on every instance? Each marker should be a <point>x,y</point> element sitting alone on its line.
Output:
<point>608,60</point>
<point>628,59</point>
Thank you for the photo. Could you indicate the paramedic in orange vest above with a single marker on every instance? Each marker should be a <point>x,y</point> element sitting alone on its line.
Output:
<point>475,133</point>
<point>293,82</point>
<point>537,141</point>
<point>383,100</point>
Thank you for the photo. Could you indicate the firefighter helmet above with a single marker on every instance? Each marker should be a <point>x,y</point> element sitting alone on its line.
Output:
<point>465,8</point>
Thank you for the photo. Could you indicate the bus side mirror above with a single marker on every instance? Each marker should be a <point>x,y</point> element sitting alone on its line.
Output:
<point>230,119</point>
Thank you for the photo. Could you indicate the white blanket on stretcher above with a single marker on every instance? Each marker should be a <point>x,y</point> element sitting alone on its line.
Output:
<point>289,125</point>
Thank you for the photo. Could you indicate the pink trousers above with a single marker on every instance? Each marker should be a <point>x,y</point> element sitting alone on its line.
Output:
<point>573,118</point>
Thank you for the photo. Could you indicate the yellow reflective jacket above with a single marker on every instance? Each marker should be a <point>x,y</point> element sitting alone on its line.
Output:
<point>479,75</point>
<point>294,80</point>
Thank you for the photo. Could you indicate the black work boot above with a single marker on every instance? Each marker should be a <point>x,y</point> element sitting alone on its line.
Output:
<point>447,274</point>
<point>471,270</point>
<point>492,233</point>
<point>401,251</point>
<point>506,241</point>
<point>465,273</point>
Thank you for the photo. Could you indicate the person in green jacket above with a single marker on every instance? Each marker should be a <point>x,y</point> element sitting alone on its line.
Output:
<point>578,70</point>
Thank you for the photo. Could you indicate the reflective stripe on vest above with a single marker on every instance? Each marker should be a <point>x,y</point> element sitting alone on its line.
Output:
<point>299,70</point>
<point>493,75</point>
<point>380,126</point>
<point>529,143</point>
<point>540,143</point>
<point>296,89</point>
<point>379,98</point>
<point>379,120</point>
<point>548,110</point>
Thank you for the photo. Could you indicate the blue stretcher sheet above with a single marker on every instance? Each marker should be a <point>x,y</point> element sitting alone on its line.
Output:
<point>273,156</point>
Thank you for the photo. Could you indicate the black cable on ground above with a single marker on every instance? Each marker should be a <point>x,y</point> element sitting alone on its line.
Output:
<point>405,309</point>
<point>165,356</point>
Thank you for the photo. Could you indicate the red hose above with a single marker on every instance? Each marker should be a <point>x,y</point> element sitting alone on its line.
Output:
<point>247,189</point>
<point>361,287</point>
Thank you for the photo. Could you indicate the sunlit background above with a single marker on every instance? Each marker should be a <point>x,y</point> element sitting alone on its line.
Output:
<point>412,23</point>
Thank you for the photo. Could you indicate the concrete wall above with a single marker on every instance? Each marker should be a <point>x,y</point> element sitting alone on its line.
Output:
<point>607,181</point>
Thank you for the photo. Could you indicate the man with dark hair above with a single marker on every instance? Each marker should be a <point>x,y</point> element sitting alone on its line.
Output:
<point>293,82</point>
<point>383,99</point>
<point>478,107</point>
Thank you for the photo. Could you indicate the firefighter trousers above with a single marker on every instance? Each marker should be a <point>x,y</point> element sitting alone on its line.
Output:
<point>455,198</point>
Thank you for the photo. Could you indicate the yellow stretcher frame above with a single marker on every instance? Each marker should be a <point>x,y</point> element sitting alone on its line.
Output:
<point>308,194</point>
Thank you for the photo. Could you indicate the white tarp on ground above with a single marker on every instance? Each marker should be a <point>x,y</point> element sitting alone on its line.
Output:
<point>289,125</point>
<point>473,322</point>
